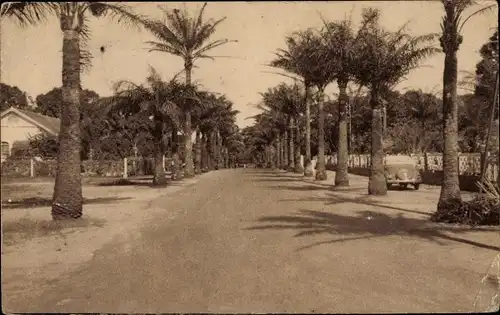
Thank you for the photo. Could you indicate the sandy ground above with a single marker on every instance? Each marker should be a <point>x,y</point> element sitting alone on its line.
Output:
<point>253,241</point>
<point>43,257</point>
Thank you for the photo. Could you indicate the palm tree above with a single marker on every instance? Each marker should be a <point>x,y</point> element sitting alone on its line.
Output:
<point>386,57</point>
<point>341,43</point>
<point>298,59</point>
<point>312,56</point>
<point>187,37</point>
<point>450,40</point>
<point>215,122</point>
<point>67,201</point>
<point>158,100</point>
<point>282,107</point>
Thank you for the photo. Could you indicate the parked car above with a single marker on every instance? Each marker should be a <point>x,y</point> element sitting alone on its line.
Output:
<point>401,170</point>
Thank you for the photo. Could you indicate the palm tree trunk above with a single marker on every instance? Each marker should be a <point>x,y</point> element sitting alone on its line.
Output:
<point>321,167</point>
<point>175,156</point>
<point>376,183</point>
<point>308,169</point>
<point>285,151</point>
<point>159,151</point>
<point>291,144</point>
<point>219,150</point>
<point>450,188</point>
<point>204,153</point>
<point>212,150</point>
<point>67,201</point>
<point>278,151</point>
<point>298,167</point>
<point>226,157</point>
<point>188,145</point>
<point>198,146</point>
<point>341,174</point>
<point>282,151</point>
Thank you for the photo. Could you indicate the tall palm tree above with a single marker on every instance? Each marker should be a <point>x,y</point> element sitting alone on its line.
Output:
<point>450,40</point>
<point>341,42</point>
<point>298,59</point>
<point>189,38</point>
<point>386,57</point>
<point>307,45</point>
<point>67,201</point>
<point>157,100</point>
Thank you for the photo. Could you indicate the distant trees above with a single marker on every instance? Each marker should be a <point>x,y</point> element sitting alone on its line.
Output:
<point>12,96</point>
<point>50,103</point>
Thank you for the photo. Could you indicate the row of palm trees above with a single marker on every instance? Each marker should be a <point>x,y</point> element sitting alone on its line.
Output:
<point>373,58</point>
<point>178,34</point>
<point>159,106</point>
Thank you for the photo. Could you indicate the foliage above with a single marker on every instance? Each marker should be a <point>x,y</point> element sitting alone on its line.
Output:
<point>185,36</point>
<point>44,146</point>
<point>386,57</point>
<point>12,96</point>
<point>482,210</point>
<point>485,69</point>
<point>49,104</point>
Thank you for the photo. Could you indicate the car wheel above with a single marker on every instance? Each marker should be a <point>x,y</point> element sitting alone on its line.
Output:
<point>388,186</point>
<point>416,186</point>
<point>404,186</point>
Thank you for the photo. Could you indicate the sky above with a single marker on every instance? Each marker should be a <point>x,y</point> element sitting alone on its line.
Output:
<point>31,57</point>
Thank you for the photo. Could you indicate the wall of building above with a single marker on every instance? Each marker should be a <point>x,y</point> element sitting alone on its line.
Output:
<point>14,128</point>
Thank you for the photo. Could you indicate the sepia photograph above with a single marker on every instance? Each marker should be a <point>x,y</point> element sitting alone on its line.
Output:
<point>250,157</point>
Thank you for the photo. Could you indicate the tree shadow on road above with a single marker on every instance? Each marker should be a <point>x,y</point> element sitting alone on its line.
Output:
<point>141,182</point>
<point>365,225</point>
<point>366,200</point>
<point>47,202</point>
<point>296,188</point>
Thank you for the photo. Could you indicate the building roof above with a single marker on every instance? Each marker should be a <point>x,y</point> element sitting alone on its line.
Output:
<point>49,124</point>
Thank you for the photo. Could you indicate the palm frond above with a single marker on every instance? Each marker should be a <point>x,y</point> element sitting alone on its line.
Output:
<point>26,13</point>
<point>117,12</point>
<point>211,46</point>
<point>162,47</point>
<point>163,33</point>
<point>480,11</point>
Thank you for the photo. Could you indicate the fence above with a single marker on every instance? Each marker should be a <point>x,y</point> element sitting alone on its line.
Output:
<point>107,168</point>
<point>469,168</point>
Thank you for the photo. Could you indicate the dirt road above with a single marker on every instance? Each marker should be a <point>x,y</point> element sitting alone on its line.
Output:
<point>248,240</point>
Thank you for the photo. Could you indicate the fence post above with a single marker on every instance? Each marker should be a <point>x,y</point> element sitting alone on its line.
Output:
<point>163,162</point>
<point>32,168</point>
<point>125,168</point>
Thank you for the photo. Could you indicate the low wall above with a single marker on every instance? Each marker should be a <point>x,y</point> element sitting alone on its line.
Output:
<point>106,168</point>
<point>434,178</point>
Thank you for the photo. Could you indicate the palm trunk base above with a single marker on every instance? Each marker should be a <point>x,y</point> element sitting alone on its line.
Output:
<point>290,168</point>
<point>341,179</point>
<point>377,185</point>
<point>61,212</point>
<point>298,169</point>
<point>189,170</point>
<point>159,180</point>
<point>176,173</point>
<point>308,170</point>
<point>321,175</point>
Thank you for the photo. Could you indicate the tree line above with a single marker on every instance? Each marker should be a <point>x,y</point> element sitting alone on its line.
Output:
<point>158,110</point>
<point>368,115</point>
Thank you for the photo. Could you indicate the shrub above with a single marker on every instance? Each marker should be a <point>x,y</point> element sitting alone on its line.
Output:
<point>484,209</point>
